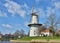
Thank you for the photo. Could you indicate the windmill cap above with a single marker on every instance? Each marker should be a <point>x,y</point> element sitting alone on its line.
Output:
<point>34,14</point>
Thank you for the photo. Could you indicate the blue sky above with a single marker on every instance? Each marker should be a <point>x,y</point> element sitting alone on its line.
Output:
<point>16,14</point>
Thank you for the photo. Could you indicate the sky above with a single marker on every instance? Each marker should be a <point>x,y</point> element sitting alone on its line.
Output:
<point>16,14</point>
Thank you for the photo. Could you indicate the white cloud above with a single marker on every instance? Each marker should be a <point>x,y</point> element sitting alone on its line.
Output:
<point>40,0</point>
<point>7,25</point>
<point>3,14</point>
<point>15,8</point>
<point>26,24</point>
<point>55,8</point>
<point>57,4</point>
<point>50,11</point>
<point>17,25</point>
<point>53,0</point>
<point>37,0</point>
<point>26,6</point>
<point>22,13</point>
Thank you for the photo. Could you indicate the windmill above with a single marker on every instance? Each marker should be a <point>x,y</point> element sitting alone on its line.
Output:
<point>34,25</point>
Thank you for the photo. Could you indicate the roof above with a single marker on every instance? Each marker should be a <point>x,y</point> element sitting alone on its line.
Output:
<point>47,30</point>
<point>58,30</point>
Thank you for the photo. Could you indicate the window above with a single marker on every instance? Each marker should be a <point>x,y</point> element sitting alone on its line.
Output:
<point>34,33</point>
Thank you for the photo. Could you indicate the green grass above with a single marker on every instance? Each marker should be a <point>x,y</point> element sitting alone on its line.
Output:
<point>39,38</point>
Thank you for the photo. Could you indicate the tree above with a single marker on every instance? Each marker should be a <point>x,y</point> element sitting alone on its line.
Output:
<point>41,28</point>
<point>52,22</point>
<point>22,33</point>
<point>17,33</point>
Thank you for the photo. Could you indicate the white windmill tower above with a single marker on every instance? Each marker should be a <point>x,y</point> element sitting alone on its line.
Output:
<point>34,25</point>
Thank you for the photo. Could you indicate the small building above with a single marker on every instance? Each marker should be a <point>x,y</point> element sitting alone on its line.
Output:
<point>1,36</point>
<point>46,33</point>
<point>57,33</point>
<point>19,36</point>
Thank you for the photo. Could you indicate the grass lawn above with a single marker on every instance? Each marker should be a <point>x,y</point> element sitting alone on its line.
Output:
<point>39,38</point>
